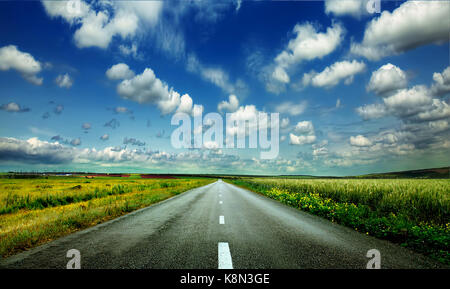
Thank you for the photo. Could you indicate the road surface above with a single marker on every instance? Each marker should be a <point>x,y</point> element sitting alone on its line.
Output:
<point>218,226</point>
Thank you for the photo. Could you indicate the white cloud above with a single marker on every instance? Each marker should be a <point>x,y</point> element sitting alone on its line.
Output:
<point>332,75</point>
<point>280,74</point>
<point>441,83</point>
<point>405,103</point>
<point>186,104</point>
<point>131,50</point>
<point>75,142</point>
<point>147,88</point>
<point>284,122</point>
<point>355,8</point>
<point>99,24</point>
<point>301,139</point>
<point>360,141</point>
<point>64,80</point>
<point>372,111</point>
<point>23,62</point>
<point>306,131</point>
<point>119,71</point>
<point>147,11</point>
<point>230,106</point>
<point>291,108</point>
<point>304,127</point>
<point>64,10</point>
<point>308,44</point>
<point>170,104</point>
<point>408,101</point>
<point>105,137</point>
<point>413,24</point>
<point>386,79</point>
<point>144,88</point>
<point>13,107</point>
<point>86,126</point>
<point>33,151</point>
<point>97,30</point>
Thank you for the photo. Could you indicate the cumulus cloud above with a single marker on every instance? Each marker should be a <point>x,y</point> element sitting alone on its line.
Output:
<point>305,129</point>
<point>308,44</point>
<point>104,137</point>
<point>75,142</point>
<point>423,123</point>
<point>441,83</point>
<point>133,141</point>
<point>413,24</point>
<point>22,62</point>
<point>33,151</point>
<point>360,141</point>
<point>144,88</point>
<point>97,25</point>
<point>301,139</point>
<point>291,108</point>
<point>86,126</point>
<point>119,71</point>
<point>186,104</point>
<point>64,80</point>
<point>147,88</point>
<point>332,75</point>
<point>355,8</point>
<point>406,103</point>
<point>386,79</point>
<point>230,106</point>
<point>63,9</point>
<point>13,107</point>
<point>372,111</point>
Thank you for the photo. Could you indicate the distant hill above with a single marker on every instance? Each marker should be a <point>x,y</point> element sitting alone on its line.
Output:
<point>435,173</point>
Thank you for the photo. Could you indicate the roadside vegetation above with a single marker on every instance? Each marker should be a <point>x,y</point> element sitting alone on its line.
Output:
<point>35,211</point>
<point>412,212</point>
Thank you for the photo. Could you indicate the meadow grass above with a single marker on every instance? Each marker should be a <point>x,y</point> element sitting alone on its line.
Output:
<point>35,211</point>
<point>414,213</point>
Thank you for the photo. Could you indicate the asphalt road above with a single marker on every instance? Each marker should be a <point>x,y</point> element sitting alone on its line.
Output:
<point>218,226</point>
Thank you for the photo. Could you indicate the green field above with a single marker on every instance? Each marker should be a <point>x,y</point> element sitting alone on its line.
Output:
<point>412,212</point>
<point>35,211</point>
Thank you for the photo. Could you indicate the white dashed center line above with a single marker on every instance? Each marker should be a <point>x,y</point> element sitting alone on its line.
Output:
<point>225,256</point>
<point>222,220</point>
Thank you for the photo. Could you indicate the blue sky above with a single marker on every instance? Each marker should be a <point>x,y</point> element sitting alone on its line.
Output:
<point>95,88</point>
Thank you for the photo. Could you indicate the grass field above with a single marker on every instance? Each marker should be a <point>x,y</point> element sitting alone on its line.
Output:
<point>412,212</point>
<point>35,211</point>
